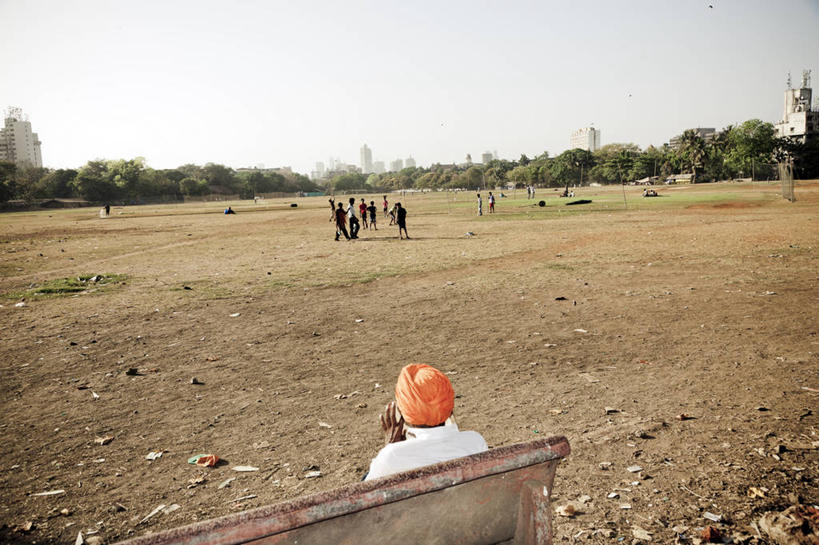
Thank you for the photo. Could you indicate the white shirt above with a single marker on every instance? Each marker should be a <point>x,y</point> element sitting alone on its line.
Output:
<point>423,447</point>
<point>351,211</point>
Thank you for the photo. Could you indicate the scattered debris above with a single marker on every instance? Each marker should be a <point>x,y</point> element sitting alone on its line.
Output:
<point>755,492</point>
<point>682,417</point>
<point>171,508</point>
<point>248,497</point>
<point>613,495</point>
<point>585,498</point>
<point>156,510</point>
<point>611,410</point>
<point>49,493</point>
<point>95,395</point>
<point>244,468</point>
<point>132,371</point>
<point>104,440</point>
<point>712,517</point>
<point>226,483</point>
<point>549,345</point>
<point>261,445</point>
<point>796,525</point>
<point>359,320</point>
<point>65,512</point>
<point>195,380</point>
<point>196,481</point>
<point>20,304</point>
<point>640,533</point>
<point>312,474</point>
<point>561,298</point>
<point>154,455</point>
<point>325,425</point>
<point>204,460</point>
<point>580,331</point>
<point>235,314</point>
<point>567,510</point>
<point>711,535</point>
<point>634,469</point>
<point>589,378</point>
<point>604,465</point>
<point>469,234</point>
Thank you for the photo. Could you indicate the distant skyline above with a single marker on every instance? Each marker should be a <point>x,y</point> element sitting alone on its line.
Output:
<point>290,84</point>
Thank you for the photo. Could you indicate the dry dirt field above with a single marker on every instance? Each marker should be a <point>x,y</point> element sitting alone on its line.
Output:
<point>702,302</point>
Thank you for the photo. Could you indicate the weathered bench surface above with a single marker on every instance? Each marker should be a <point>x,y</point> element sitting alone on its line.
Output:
<point>487,498</point>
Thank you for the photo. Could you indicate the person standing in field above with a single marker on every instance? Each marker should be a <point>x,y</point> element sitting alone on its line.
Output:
<point>480,205</point>
<point>391,214</point>
<point>332,209</point>
<point>351,217</point>
<point>401,214</point>
<point>371,210</point>
<point>362,209</point>
<point>341,222</point>
<point>386,205</point>
<point>491,203</point>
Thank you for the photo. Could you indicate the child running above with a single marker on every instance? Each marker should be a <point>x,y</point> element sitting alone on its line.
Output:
<point>371,210</point>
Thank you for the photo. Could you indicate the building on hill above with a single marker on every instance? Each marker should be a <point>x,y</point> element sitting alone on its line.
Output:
<point>18,144</point>
<point>800,119</point>
<point>706,134</point>
<point>587,138</point>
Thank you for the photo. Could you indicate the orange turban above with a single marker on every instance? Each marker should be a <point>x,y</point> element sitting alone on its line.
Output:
<point>424,395</point>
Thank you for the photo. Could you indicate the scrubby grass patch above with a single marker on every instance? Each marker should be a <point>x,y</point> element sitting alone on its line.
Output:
<point>86,283</point>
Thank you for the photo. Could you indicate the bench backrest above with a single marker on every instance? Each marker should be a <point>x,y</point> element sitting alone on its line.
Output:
<point>491,497</point>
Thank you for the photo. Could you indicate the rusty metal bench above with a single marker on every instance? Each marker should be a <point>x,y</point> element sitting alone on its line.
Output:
<point>498,496</point>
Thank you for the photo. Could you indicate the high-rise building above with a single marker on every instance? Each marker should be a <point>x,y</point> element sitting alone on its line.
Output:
<point>396,165</point>
<point>706,134</point>
<point>801,120</point>
<point>587,138</point>
<point>486,157</point>
<point>366,159</point>
<point>17,143</point>
<point>378,167</point>
<point>409,162</point>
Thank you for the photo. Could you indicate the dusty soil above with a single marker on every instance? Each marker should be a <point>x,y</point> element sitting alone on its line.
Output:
<point>708,311</point>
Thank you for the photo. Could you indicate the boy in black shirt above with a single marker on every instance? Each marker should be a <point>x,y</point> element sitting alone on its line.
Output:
<point>401,214</point>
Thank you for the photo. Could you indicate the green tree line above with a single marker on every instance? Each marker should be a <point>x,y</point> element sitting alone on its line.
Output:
<point>742,151</point>
<point>132,180</point>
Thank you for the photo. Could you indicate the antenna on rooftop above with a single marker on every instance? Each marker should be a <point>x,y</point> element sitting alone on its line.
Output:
<point>789,81</point>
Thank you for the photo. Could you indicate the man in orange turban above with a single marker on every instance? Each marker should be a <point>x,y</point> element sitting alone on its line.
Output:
<point>419,426</point>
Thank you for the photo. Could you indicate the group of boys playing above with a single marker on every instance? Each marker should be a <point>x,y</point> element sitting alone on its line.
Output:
<point>341,216</point>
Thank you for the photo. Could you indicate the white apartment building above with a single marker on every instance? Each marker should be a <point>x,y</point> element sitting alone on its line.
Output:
<point>17,143</point>
<point>587,138</point>
<point>800,120</point>
<point>396,165</point>
<point>409,162</point>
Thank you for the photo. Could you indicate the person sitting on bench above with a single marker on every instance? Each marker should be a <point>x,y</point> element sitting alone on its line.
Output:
<point>419,426</point>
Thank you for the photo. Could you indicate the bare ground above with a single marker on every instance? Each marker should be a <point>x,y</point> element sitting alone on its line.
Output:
<point>703,304</point>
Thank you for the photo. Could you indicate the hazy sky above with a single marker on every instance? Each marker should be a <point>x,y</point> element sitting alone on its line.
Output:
<point>291,83</point>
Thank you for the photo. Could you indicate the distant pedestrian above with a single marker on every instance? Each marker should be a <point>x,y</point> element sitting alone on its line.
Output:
<point>480,205</point>
<point>491,203</point>
<point>371,209</point>
<point>341,222</point>
<point>391,214</point>
<point>229,210</point>
<point>107,209</point>
<point>362,209</point>
<point>386,205</point>
<point>401,214</point>
<point>332,209</point>
<point>351,217</point>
